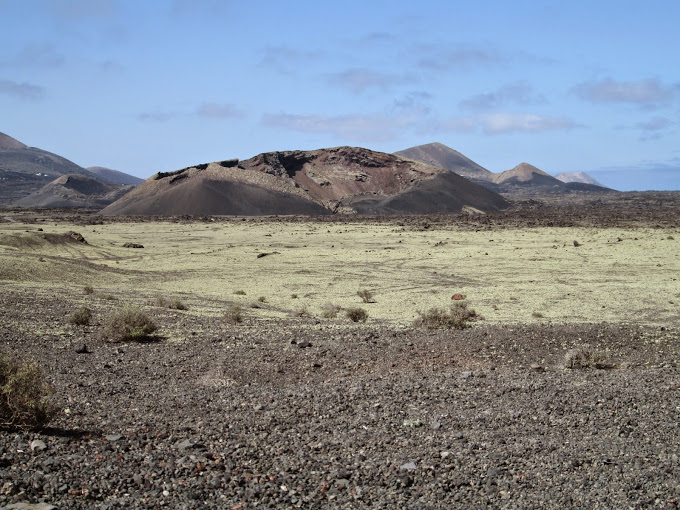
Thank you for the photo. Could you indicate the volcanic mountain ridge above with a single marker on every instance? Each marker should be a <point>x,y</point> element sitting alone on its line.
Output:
<point>523,179</point>
<point>323,181</point>
<point>25,170</point>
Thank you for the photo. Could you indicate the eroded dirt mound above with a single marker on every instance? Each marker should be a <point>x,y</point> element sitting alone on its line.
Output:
<point>341,179</point>
<point>29,240</point>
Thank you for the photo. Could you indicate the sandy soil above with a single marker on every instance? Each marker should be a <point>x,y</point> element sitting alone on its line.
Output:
<point>291,409</point>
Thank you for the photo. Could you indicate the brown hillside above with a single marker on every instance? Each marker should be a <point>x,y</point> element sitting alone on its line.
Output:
<point>341,179</point>
<point>525,174</point>
<point>114,176</point>
<point>438,154</point>
<point>7,142</point>
<point>73,190</point>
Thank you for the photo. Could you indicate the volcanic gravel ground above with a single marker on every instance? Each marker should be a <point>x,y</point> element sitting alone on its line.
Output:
<point>322,414</point>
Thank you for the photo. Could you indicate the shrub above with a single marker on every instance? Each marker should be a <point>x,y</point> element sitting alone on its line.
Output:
<point>173,304</point>
<point>302,312</point>
<point>240,292</point>
<point>262,299</point>
<point>356,314</point>
<point>366,296</point>
<point>24,396</point>
<point>81,316</point>
<point>537,315</point>
<point>177,304</point>
<point>330,310</point>
<point>128,324</point>
<point>88,289</point>
<point>233,314</point>
<point>457,317</point>
<point>586,357</point>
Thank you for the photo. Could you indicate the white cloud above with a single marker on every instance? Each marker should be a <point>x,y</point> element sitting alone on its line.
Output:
<point>286,60</point>
<point>369,127</point>
<point>358,80</point>
<point>439,59</point>
<point>35,55</point>
<point>26,91</point>
<point>497,123</point>
<point>156,116</point>
<point>519,93</point>
<point>655,124</point>
<point>650,93</point>
<point>503,123</point>
<point>219,111</point>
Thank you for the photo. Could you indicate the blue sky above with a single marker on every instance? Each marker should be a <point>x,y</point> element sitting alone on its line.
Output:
<point>147,86</point>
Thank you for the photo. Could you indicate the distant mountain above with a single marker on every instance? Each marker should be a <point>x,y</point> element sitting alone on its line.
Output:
<point>25,169</point>
<point>581,177</point>
<point>115,176</point>
<point>324,181</point>
<point>523,179</point>
<point>7,142</point>
<point>438,154</point>
<point>73,191</point>
<point>525,174</point>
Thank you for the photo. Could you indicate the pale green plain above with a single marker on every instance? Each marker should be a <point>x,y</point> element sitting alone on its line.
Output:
<point>619,275</point>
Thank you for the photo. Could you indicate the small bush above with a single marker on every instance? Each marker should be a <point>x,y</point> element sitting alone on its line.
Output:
<point>262,299</point>
<point>173,304</point>
<point>240,292</point>
<point>233,314</point>
<point>81,316</point>
<point>366,296</point>
<point>330,310</point>
<point>128,324</point>
<point>176,304</point>
<point>537,315</point>
<point>24,396</point>
<point>586,357</point>
<point>302,312</point>
<point>457,317</point>
<point>88,289</point>
<point>356,314</point>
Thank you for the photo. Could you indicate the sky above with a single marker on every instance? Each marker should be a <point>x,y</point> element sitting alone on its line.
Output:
<point>148,86</point>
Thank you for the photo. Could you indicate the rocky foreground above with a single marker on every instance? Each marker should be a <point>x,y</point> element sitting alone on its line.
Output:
<point>327,414</point>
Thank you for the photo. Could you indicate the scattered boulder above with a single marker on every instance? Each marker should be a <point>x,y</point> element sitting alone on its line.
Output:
<point>133,245</point>
<point>82,349</point>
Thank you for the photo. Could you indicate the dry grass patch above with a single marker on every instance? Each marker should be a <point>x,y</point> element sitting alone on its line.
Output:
<point>233,314</point>
<point>356,314</point>
<point>586,357</point>
<point>459,316</point>
<point>128,324</point>
<point>330,310</point>
<point>173,304</point>
<point>366,296</point>
<point>80,317</point>
<point>24,395</point>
